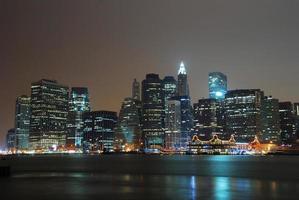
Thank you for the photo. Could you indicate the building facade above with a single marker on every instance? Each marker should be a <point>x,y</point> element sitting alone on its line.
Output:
<point>49,110</point>
<point>98,131</point>
<point>22,122</point>
<point>270,120</point>
<point>217,85</point>
<point>136,90</point>
<point>243,113</point>
<point>173,125</point>
<point>11,140</point>
<point>129,123</point>
<point>153,111</point>
<point>205,118</point>
<point>78,104</point>
<point>287,123</point>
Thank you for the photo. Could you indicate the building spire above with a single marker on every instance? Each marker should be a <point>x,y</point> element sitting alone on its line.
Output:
<point>182,69</point>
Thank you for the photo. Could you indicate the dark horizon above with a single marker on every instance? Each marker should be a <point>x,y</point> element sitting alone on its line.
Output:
<point>104,45</point>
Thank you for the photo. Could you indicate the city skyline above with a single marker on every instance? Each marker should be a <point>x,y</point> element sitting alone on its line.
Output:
<point>253,54</point>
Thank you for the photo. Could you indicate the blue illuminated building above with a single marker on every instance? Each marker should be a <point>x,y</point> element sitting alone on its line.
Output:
<point>79,103</point>
<point>217,85</point>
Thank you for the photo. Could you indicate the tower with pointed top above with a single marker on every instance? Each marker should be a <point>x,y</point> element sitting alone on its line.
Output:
<point>183,87</point>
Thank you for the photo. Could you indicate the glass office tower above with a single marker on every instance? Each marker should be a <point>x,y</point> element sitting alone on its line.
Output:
<point>217,85</point>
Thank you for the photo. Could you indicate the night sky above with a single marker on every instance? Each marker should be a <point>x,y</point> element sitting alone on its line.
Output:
<point>105,44</point>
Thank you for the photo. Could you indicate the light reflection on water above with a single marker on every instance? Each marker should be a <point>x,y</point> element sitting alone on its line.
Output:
<point>88,185</point>
<point>152,177</point>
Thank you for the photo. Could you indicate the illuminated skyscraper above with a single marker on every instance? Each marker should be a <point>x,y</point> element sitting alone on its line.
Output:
<point>243,113</point>
<point>270,120</point>
<point>183,87</point>
<point>136,90</point>
<point>98,131</point>
<point>78,104</point>
<point>11,140</point>
<point>129,123</point>
<point>217,85</point>
<point>173,124</point>
<point>205,118</point>
<point>170,87</point>
<point>296,112</point>
<point>153,111</point>
<point>22,122</point>
<point>287,122</point>
<point>183,96</point>
<point>49,110</point>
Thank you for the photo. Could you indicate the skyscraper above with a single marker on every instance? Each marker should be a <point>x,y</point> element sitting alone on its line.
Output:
<point>217,85</point>
<point>243,113</point>
<point>136,90</point>
<point>11,140</point>
<point>98,131</point>
<point>22,122</point>
<point>183,96</point>
<point>287,122</point>
<point>49,110</point>
<point>170,87</point>
<point>129,122</point>
<point>153,111</point>
<point>173,124</point>
<point>270,120</point>
<point>205,118</point>
<point>183,87</point>
<point>296,112</point>
<point>78,104</point>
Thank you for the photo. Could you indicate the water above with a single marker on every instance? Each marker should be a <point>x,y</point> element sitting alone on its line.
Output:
<point>151,177</point>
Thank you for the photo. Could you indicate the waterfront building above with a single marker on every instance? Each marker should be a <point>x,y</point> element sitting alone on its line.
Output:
<point>129,124</point>
<point>217,85</point>
<point>98,131</point>
<point>153,111</point>
<point>49,110</point>
<point>136,90</point>
<point>22,122</point>
<point>287,122</point>
<point>78,104</point>
<point>243,113</point>
<point>205,118</point>
<point>11,140</point>
<point>270,120</point>
<point>173,125</point>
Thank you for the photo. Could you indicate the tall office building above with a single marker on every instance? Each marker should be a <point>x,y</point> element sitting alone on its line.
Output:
<point>98,131</point>
<point>22,122</point>
<point>217,85</point>
<point>270,120</point>
<point>243,113</point>
<point>183,86</point>
<point>129,122</point>
<point>49,110</point>
<point>78,104</point>
<point>296,112</point>
<point>183,96</point>
<point>170,87</point>
<point>136,90</point>
<point>173,124</point>
<point>153,111</point>
<point>11,140</point>
<point>187,119</point>
<point>287,122</point>
<point>205,118</point>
